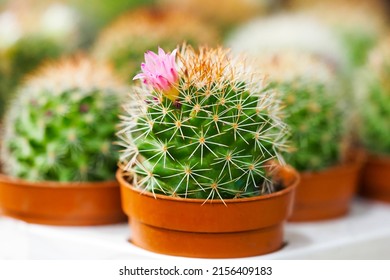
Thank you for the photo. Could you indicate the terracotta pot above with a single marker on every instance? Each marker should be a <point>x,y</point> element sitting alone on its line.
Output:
<point>192,228</point>
<point>53,203</point>
<point>375,180</point>
<point>326,194</point>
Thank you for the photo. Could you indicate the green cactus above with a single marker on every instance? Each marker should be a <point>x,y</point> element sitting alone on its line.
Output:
<point>317,126</point>
<point>28,52</point>
<point>313,109</point>
<point>375,104</point>
<point>4,87</point>
<point>20,59</point>
<point>95,14</point>
<point>358,45</point>
<point>31,32</point>
<point>210,136</point>
<point>60,126</point>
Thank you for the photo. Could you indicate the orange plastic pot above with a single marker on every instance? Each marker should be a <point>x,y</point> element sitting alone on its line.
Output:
<point>53,203</point>
<point>191,228</point>
<point>375,180</point>
<point>326,194</point>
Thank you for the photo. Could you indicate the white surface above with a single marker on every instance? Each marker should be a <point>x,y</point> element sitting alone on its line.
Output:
<point>363,234</point>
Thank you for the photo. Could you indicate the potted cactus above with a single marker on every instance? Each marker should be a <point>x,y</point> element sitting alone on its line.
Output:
<point>124,41</point>
<point>319,137</point>
<point>198,174</point>
<point>374,126</point>
<point>58,159</point>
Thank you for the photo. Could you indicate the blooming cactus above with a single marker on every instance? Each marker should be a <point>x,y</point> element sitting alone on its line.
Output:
<point>208,129</point>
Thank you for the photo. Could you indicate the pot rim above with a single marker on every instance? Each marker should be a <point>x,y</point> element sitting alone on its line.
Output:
<point>287,189</point>
<point>54,184</point>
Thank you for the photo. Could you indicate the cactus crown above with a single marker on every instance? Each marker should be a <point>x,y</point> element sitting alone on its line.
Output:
<point>205,127</point>
<point>60,125</point>
<point>375,108</point>
<point>313,110</point>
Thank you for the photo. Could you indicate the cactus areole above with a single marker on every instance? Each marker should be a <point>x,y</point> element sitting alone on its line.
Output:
<point>202,124</point>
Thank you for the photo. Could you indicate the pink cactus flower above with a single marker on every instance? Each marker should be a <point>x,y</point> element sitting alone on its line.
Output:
<point>159,71</point>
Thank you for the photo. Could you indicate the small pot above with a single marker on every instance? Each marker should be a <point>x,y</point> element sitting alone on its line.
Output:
<point>375,180</point>
<point>326,194</point>
<point>191,228</point>
<point>54,203</point>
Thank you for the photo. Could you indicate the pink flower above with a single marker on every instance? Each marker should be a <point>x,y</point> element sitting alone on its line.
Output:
<point>159,71</point>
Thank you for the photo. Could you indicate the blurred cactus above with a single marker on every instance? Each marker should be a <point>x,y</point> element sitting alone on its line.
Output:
<point>224,14</point>
<point>313,108</point>
<point>286,32</point>
<point>123,42</point>
<point>204,128</point>
<point>60,127</point>
<point>27,38</point>
<point>95,14</point>
<point>375,105</point>
<point>359,24</point>
<point>23,57</point>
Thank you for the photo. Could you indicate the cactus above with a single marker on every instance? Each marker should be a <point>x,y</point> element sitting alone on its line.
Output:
<point>96,14</point>
<point>358,25</point>
<point>123,42</point>
<point>28,36</point>
<point>225,15</point>
<point>204,128</point>
<point>313,108</point>
<point>60,125</point>
<point>21,58</point>
<point>287,32</point>
<point>374,109</point>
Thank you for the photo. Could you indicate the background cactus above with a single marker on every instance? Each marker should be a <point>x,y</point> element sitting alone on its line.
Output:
<point>206,131</point>
<point>29,34</point>
<point>358,24</point>
<point>124,41</point>
<point>23,57</point>
<point>226,14</point>
<point>60,127</point>
<point>374,107</point>
<point>286,32</point>
<point>96,14</point>
<point>313,106</point>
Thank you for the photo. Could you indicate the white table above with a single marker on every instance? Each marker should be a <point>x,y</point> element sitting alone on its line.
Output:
<point>363,234</point>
